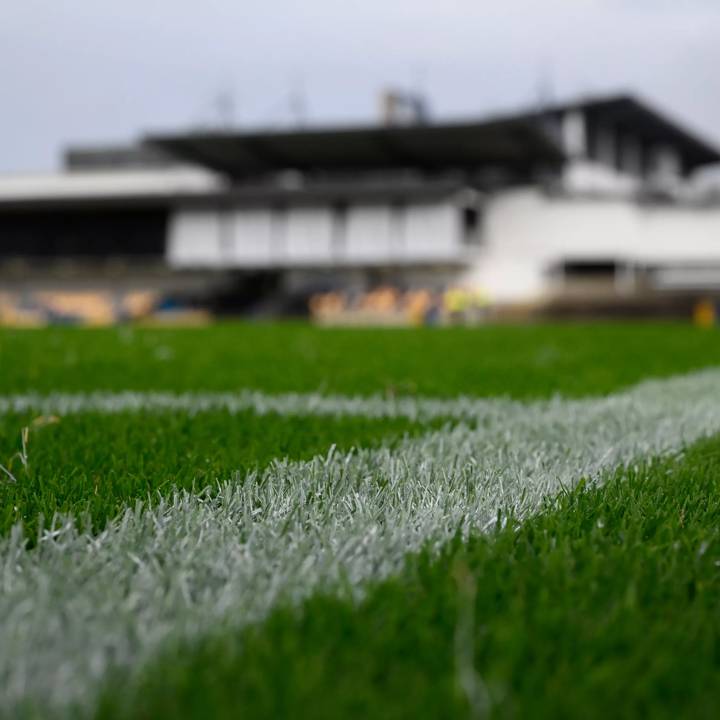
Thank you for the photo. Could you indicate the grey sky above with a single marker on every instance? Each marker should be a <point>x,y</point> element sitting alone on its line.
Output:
<point>108,70</point>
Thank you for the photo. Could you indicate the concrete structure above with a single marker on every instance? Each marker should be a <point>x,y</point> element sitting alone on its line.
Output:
<point>589,203</point>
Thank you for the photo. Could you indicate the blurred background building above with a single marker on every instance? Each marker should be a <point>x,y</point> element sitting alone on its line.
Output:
<point>591,207</point>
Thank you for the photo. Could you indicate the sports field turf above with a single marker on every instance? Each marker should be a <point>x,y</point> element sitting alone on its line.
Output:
<point>282,521</point>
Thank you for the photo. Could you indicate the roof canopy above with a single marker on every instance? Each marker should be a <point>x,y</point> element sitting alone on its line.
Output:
<point>515,142</point>
<point>626,114</point>
<point>512,143</point>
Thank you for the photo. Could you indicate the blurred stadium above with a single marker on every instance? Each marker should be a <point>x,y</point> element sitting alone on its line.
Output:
<point>591,207</point>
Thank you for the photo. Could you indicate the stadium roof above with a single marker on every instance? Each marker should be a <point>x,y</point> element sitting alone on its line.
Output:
<point>626,113</point>
<point>515,141</point>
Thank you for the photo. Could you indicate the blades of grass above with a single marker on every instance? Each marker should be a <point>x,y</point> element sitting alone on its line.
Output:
<point>605,604</point>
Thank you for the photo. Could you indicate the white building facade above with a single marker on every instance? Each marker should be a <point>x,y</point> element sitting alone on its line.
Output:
<point>594,200</point>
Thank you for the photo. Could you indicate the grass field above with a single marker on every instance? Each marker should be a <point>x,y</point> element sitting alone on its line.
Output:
<point>282,521</point>
<point>523,362</point>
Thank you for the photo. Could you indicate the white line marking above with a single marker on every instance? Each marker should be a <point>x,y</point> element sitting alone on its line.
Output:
<point>78,605</point>
<point>413,408</point>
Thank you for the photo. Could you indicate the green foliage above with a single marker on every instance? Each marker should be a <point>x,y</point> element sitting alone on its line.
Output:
<point>522,361</point>
<point>605,604</point>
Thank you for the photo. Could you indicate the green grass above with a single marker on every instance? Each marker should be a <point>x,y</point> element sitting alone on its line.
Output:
<point>607,604</point>
<point>95,464</point>
<point>528,361</point>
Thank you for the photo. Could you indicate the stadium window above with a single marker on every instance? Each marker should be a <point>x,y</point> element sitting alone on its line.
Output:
<point>278,226</point>
<point>470,221</point>
<point>78,234</point>
<point>589,269</point>
<point>225,230</point>
<point>339,225</point>
<point>398,213</point>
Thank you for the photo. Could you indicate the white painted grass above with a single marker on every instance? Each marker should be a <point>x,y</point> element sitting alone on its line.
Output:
<point>300,404</point>
<point>79,605</point>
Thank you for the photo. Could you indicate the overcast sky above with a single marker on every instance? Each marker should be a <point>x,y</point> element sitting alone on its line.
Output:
<point>76,71</point>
